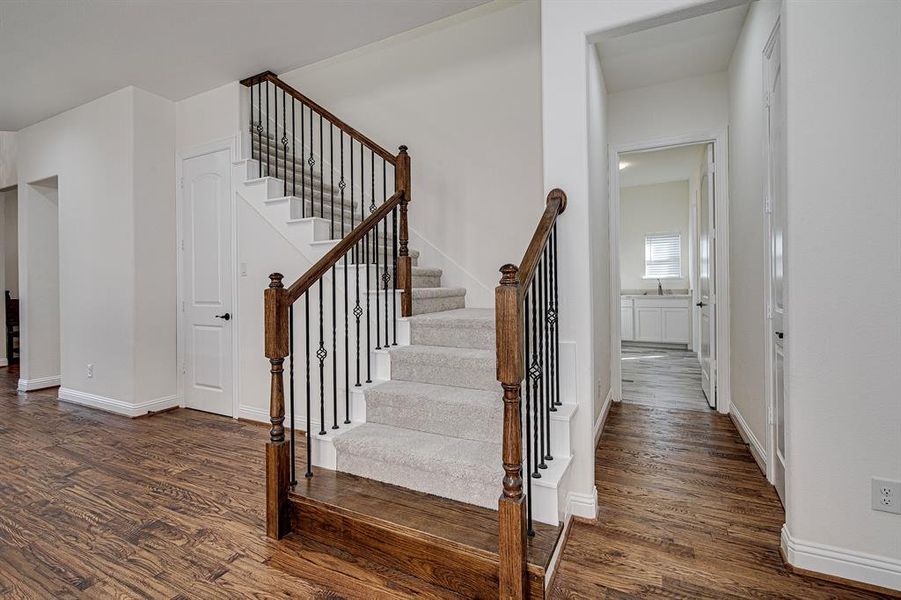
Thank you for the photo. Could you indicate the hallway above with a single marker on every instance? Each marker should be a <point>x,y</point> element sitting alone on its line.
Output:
<point>684,513</point>
<point>662,377</point>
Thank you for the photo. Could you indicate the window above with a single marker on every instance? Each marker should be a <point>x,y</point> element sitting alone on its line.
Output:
<point>663,256</point>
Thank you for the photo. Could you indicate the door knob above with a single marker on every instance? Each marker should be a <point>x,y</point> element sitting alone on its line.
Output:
<point>701,304</point>
<point>779,334</point>
<point>224,317</point>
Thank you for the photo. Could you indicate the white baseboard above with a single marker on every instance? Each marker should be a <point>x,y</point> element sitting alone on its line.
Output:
<point>4,362</point>
<point>748,436</point>
<point>602,418</point>
<point>252,413</point>
<point>38,383</point>
<point>880,571</point>
<point>581,505</point>
<point>118,407</point>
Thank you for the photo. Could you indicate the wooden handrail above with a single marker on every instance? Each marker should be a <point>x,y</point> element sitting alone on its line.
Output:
<point>556,204</point>
<point>510,321</point>
<point>341,248</point>
<point>351,131</point>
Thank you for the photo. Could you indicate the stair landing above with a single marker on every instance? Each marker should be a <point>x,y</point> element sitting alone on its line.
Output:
<point>443,542</point>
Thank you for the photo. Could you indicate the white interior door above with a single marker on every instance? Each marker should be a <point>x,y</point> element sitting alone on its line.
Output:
<point>208,281</point>
<point>775,112</point>
<point>706,279</point>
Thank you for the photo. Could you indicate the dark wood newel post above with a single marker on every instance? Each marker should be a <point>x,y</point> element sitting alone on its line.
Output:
<point>275,306</point>
<point>511,505</point>
<point>404,263</point>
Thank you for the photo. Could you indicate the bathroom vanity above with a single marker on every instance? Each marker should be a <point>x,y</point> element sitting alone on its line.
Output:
<point>652,318</point>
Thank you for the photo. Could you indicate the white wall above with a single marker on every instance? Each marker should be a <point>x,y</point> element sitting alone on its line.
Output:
<point>644,209</point>
<point>747,179</point>
<point>92,151</point>
<point>7,159</point>
<point>598,215</point>
<point>207,117</point>
<point>695,104</point>
<point>843,83</point>
<point>567,76</point>
<point>154,248</point>
<point>464,94</point>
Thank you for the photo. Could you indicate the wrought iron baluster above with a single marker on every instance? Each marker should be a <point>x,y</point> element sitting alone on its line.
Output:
<point>321,171</point>
<point>268,171</point>
<point>556,320</point>
<point>358,310</point>
<point>293,153</point>
<point>321,354</point>
<point>331,172</point>
<point>306,328</point>
<point>386,277</point>
<point>274,140</point>
<point>375,250</point>
<point>291,393</point>
<point>303,168</point>
<point>547,380</point>
<point>342,185</point>
<point>394,271</point>
<point>311,162</point>
<point>535,375</point>
<point>334,355</point>
<point>528,415</point>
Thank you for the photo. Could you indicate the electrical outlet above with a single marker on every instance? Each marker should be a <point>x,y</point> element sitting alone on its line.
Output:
<point>887,495</point>
<point>90,370</point>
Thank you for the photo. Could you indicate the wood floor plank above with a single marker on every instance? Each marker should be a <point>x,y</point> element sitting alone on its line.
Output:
<point>94,505</point>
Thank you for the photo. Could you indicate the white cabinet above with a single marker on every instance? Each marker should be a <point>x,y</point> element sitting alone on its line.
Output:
<point>655,319</point>
<point>628,331</point>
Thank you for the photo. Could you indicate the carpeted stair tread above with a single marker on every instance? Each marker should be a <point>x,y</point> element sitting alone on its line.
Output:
<point>460,328</point>
<point>464,470</point>
<point>439,409</point>
<point>442,365</point>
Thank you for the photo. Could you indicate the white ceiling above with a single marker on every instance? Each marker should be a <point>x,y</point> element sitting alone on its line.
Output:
<point>55,55</point>
<point>686,48</point>
<point>659,166</point>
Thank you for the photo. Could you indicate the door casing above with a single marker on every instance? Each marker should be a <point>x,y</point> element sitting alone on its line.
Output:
<point>229,144</point>
<point>719,138</point>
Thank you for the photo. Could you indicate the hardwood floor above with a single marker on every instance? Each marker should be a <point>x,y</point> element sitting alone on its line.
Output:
<point>662,377</point>
<point>93,505</point>
<point>684,513</point>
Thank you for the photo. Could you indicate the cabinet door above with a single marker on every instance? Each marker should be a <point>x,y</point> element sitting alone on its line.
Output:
<point>627,329</point>
<point>675,325</point>
<point>647,324</point>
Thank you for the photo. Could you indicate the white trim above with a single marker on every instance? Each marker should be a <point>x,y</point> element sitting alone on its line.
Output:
<point>602,418</point>
<point>875,570</point>
<point>769,354</point>
<point>581,505</point>
<point>230,144</point>
<point>38,383</point>
<point>750,439</point>
<point>118,406</point>
<point>252,413</point>
<point>720,139</point>
<point>4,362</point>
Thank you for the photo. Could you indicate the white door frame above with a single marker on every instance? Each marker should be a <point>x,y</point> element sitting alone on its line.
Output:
<point>231,145</point>
<point>719,137</point>
<point>769,352</point>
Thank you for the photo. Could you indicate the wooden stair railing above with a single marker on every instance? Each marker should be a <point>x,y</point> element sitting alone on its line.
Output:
<point>368,238</point>
<point>526,299</point>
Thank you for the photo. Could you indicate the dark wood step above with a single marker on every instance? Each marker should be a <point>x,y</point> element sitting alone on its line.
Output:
<point>443,542</point>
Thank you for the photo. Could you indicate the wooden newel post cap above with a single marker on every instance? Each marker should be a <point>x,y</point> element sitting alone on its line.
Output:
<point>275,280</point>
<point>402,149</point>
<point>508,274</point>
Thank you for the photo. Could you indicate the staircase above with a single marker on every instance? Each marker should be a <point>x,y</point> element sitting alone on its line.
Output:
<point>407,472</point>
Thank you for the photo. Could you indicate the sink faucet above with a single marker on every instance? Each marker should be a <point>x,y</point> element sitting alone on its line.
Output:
<point>659,288</point>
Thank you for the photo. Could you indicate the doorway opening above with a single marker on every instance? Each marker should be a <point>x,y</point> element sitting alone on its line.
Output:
<point>39,309</point>
<point>665,203</point>
<point>9,276</point>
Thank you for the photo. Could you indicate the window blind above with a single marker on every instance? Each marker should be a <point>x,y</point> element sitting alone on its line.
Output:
<point>662,255</point>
